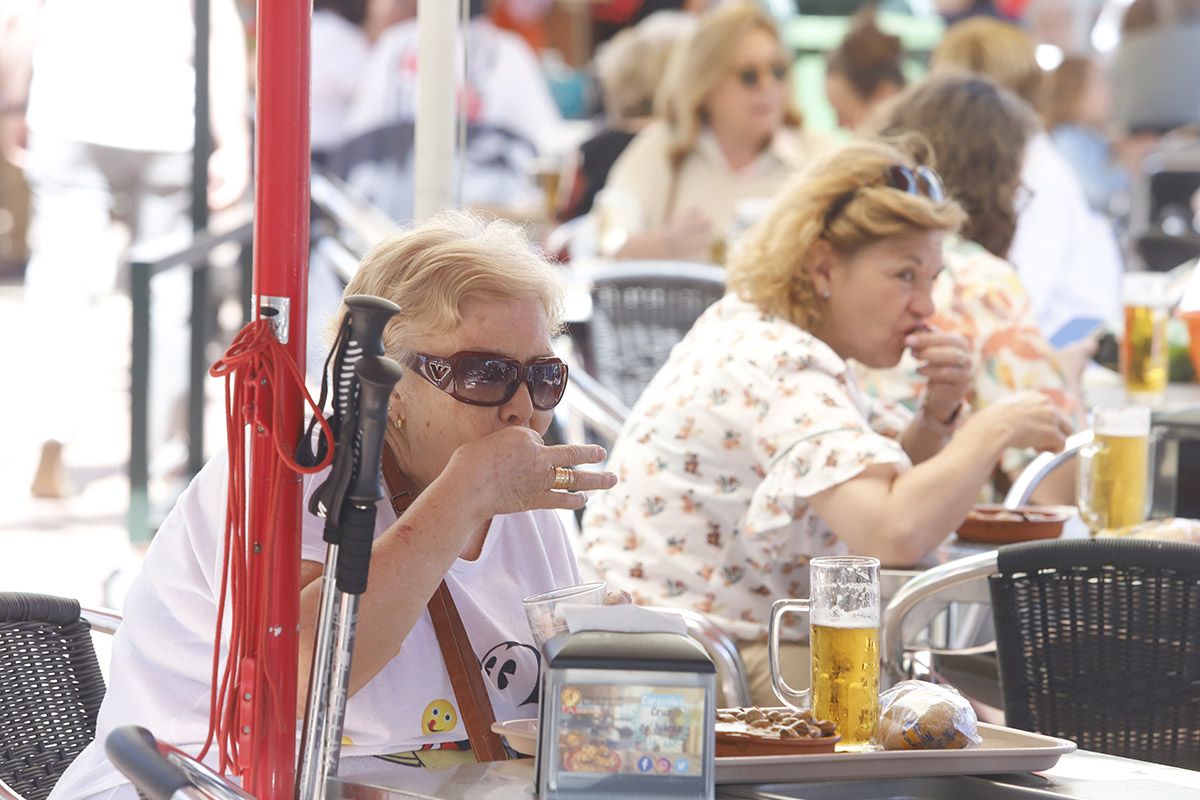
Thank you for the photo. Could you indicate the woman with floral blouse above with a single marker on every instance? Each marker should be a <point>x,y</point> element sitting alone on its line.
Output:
<point>754,450</point>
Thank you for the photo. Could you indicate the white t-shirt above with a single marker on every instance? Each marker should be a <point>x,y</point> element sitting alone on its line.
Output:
<point>162,655</point>
<point>116,73</point>
<point>504,97</point>
<point>1066,255</point>
<point>339,59</point>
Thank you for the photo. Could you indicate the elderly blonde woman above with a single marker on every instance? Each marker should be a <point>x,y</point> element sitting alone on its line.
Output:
<point>754,450</point>
<point>1066,255</point>
<point>465,428</point>
<point>727,131</point>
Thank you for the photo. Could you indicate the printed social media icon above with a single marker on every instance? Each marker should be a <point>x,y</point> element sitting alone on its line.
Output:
<point>664,765</point>
<point>681,765</point>
<point>645,763</point>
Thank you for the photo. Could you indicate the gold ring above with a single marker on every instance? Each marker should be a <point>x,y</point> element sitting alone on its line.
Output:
<point>564,478</point>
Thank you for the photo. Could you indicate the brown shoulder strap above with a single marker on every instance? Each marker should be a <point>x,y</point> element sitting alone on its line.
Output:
<point>466,677</point>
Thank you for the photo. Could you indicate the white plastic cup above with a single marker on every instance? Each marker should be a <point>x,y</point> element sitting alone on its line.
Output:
<point>541,610</point>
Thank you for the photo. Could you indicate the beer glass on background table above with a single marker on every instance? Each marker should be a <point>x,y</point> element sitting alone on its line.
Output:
<point>1114,470</point>
<point>1143,356</point>
<point>843,615</point>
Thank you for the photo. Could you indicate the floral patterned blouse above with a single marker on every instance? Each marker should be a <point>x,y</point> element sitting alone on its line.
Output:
<point>749,417</point>
<point>981,297</point>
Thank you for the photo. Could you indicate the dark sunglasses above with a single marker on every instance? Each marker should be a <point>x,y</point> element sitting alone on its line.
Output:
<point>750,76</point>
<point>922,182</point>
<point>486,379</point>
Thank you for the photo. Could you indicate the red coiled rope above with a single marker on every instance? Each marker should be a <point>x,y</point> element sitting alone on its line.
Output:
<point>255,366</point>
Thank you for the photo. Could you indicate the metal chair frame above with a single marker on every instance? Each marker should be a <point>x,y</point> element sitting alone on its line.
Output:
<point>732,678</point>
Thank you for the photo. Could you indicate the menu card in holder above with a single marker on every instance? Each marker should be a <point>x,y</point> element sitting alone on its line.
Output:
<point>626,715</point>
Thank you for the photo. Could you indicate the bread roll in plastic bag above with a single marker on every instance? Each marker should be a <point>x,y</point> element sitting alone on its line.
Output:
<point>917,715</point>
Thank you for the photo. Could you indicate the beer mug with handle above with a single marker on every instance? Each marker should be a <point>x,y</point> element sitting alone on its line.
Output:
<point>843,616</point>
<point>1114,470</point>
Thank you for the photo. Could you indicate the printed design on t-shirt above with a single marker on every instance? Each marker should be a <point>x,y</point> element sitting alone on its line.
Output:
<point>434,756</point>
<point>439,717</point>
<point>513,668</point>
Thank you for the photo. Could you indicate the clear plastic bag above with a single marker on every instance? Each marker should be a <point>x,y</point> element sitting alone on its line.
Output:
<point>917,715</point>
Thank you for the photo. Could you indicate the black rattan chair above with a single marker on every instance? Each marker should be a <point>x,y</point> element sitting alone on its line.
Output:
<point>640,310</point>
<point>50,690</point>
<point>1098,641</point>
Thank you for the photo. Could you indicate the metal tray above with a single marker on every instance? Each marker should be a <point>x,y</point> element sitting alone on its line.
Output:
<point>1003,750</point>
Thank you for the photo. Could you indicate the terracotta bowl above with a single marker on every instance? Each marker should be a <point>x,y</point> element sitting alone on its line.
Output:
<point>994,524</point>
<point>735,745</point>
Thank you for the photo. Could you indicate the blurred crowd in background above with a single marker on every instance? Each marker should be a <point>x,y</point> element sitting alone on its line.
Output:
<point>622,129</point>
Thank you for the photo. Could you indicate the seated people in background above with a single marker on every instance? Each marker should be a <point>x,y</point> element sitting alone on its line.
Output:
<point>978,132</point>
<point>727,132</point>
<point>629,68</point>
<point>339,57</point>
<point>863,71</point>
<point>1066,255</point>
<point>511,119</point>
<point>1076,107</point>
<point>472,453</point>
<point>754,450</point>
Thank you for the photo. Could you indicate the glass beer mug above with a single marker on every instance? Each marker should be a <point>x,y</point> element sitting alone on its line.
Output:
<point>1114,470</point>
<point>843,615</point>
<point>1143,354</point>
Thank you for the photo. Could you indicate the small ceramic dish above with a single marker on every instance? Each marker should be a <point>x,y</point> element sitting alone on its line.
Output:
<point>521,734</point>
<point>994,524</point>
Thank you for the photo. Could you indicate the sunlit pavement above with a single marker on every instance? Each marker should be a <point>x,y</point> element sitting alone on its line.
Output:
<point>66,547</point>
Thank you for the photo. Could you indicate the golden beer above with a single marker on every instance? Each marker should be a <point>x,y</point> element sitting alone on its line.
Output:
<point>1117,490</point>
<point>845,681</point>
<point>1144,350</point>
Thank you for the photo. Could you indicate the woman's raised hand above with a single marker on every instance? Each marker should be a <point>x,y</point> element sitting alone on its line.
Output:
<point>512,470</point>
<point>1026,419</point>
<point>947,366</point>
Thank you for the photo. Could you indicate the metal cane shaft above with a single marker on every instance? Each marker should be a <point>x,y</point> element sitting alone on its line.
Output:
<point>310,783</point>
<point>339,681</point>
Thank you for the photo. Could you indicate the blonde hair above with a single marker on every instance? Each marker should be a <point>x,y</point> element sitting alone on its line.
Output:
<point>701,62</point>
<point>432,270</point>
<point>631,65</point>
<point>772,269</point>
<point>991,47</point>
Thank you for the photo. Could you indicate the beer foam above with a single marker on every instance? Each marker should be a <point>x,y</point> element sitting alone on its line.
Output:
<point>1129,421</point>
<point>840,618</point>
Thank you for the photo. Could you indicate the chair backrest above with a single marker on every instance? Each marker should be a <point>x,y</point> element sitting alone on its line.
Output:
<point>640,310</point>
<point>1098,641</point>
<point>50,690</point>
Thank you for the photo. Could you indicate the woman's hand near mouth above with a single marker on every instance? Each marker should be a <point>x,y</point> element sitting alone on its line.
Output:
<point>947,365</point>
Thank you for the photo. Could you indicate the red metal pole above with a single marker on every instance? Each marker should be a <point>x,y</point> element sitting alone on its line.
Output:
<point>281,242</point>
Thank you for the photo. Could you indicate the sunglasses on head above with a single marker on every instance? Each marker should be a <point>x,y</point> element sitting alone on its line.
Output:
<point>922,182</point>
<point>486,379</point>
<point>750,76</point>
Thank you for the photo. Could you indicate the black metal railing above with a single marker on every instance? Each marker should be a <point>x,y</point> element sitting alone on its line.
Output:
<point>344,226</point>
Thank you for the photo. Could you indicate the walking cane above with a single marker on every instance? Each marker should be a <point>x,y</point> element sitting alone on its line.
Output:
<point>361,337</point>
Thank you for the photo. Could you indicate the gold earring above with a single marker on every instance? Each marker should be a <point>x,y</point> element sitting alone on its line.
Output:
<point>399,423</point>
